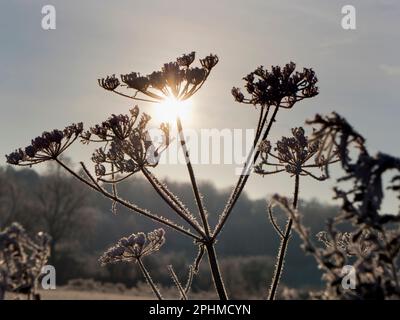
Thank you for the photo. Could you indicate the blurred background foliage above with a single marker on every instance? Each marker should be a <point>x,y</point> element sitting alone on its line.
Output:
<point>83,226</point>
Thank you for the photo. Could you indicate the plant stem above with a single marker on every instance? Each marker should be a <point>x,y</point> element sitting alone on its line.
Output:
<point>216,273</point>
<point>192,177</point>
<point>149,280</point>
<point>212,257</point>
<point>242,179</point>
<point>296,192</point>
<point>129,205</point>
<point>284,244</point>
<point>177,283</point>
<point>171,204</point>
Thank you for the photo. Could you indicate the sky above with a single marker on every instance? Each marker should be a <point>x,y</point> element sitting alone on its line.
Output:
<point>48,78</point>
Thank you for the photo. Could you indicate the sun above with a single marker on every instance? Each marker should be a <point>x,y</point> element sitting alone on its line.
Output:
<point>170,109</point>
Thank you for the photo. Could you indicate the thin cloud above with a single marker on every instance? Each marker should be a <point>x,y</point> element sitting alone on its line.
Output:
<point>337,43</point>
<point>390,70</point>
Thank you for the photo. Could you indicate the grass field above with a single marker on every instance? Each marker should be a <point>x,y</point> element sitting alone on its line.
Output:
<point>141,293</point>
<point>68,294</point>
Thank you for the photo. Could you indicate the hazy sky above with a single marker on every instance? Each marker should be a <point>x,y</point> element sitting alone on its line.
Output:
<point>48,78</point>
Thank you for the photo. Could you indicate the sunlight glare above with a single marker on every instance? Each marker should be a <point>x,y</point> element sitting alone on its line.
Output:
<point>168,110</point>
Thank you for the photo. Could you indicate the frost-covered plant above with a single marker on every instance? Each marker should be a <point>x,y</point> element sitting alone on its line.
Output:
<point>21,260</point>
<point>126,148</point>
<point>372,246</point>
<point>279,87</point>
<point>134,248</point>
<point>269,91</point>
<point>298,156</point>
<point>176,80</point>
<point>48,146</point>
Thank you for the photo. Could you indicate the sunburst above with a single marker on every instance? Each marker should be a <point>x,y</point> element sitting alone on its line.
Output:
<point>170,109</point>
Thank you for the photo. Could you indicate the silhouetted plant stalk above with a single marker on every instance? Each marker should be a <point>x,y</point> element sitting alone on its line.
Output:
<point>285,236</point>
<point>245,174</point>
<point>177,283</point>
<point>172,201</point>
<point>149,280</point>
<point>291,155</point>
<point>132,207</point>
<point>372,243</point>
<point>278,88</point>
<point>208,241</point>
<point>126,149</point>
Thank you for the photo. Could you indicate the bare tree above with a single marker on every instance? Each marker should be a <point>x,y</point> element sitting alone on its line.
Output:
<point>13,204</point>
<point>62,207</point>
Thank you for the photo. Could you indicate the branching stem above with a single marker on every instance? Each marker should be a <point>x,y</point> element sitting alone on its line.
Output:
<point>212,257</point>
<point>244,176</point>
<point>195,188</point>
<point>128,205</point>
<point>172,204</point>
<point>149,280</point>
<point>284,244</point>
<point>216,273</point>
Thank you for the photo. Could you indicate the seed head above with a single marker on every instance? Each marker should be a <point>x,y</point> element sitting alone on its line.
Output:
<point>128,146</point>
<point>281,87</point>
<point>48,146</point>
<point>110,83</point>
<point>176,79</point>
<point>186,59</point>
<point>293,155</point>
<point>134,247</point>
<point>135,81</point>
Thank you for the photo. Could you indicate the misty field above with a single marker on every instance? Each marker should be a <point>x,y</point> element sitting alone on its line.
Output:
<point>65,294</point>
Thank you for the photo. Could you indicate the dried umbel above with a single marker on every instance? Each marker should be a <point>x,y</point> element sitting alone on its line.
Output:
<point>128,145</point>
<point>278,88</point>
<point>46,147</point>
<point>109,83</point>
<point>134,247</point>
<point>22,259</point>
<point>176,80</point>
<point>296,155</point>
<point>115,127</point>
<point>293,155</point>
<point>281,87</point>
